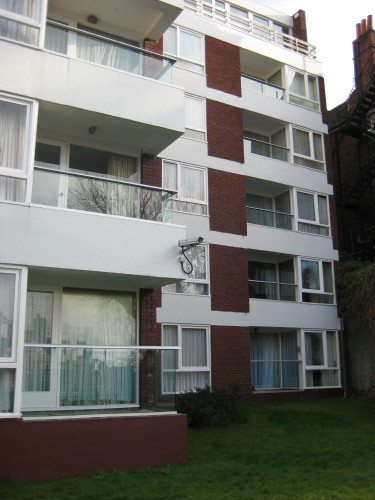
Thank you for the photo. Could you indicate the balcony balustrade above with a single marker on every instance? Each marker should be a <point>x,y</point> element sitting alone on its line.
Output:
<point>265,88</point>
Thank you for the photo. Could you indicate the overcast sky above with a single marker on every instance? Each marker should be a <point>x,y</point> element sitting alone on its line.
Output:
<point>331,27</point>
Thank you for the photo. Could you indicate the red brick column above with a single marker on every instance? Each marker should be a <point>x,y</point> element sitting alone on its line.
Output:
<point>229,281</point>
<point>225,131</point>
<point>223,66</point>
<point>227,202</point>
<point>151,172</point>
<point>153,65</point>
<point>299,25</point>
<point>230,357</point>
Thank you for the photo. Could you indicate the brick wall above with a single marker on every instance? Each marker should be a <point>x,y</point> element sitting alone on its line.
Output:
<point>227,200</point>
<point>153,65</point>
<point>230,357</point>
<point>151,172</point>
<point>153,45</point>
<point>223,67</point>
<point>229,281</point>
<point>149,330</point>
<point>334,228</point>
<point>322,98</point>
<point>224,131</point>
<point>299,25</point>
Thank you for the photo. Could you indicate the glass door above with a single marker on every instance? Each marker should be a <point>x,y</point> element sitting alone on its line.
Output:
<point>40,361</point>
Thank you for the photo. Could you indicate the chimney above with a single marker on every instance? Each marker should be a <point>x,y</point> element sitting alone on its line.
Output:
<point>364,53</point>
<point>299,25</point>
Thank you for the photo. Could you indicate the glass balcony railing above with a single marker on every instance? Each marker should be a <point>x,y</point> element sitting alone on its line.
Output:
<point>104,194</point>
<point>58,377</point>
<point>106,50</point>
<point>254,146</point>
<point>268,89</point>
<point>269,218</point>
<point>272,290</point>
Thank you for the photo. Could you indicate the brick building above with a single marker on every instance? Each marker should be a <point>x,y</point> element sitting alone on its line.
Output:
<point>127,127</point>
<point>352,137</point>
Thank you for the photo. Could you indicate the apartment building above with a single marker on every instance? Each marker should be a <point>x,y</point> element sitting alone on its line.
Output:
<point>127,127</point>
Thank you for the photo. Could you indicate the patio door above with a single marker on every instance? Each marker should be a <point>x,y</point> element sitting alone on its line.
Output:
<point>40,364</point>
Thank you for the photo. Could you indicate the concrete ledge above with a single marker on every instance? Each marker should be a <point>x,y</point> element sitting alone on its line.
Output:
<point>32,450</point>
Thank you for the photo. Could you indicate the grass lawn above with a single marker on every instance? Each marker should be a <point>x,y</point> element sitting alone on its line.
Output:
<point>304,449</point>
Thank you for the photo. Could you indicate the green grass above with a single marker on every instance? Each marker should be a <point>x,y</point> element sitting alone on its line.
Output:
<point>304,449</point>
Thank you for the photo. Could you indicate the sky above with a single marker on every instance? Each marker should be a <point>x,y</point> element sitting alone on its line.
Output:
<point>331,27</point>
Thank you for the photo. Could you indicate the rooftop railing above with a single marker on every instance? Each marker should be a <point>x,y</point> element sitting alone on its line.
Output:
<point>105,194</point>
<point>250,27</point>
<point>257,85</point>
<point>107,51</point>
<point>267,149</point>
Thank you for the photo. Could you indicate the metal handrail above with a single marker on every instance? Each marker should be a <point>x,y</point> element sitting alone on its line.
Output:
<point>272,282</point>
<point>264,82</point>
<point>267,143</point>
<point>270,211</point>
<point>84,346</point>
<point>110,40</point>
<point>171,192</point>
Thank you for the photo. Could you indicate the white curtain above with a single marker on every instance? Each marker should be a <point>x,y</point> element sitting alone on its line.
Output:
<point>12,189</point>
<point>106,53</point>
<point>169,358</point>
<point>282,204</point>
<point>310,274</point>
<point>189,381</point>
<point>318,147</point>
<point>98,376</point>
<point>7,293</point>
<point>194,347</point>
<point>38,330</point>
<point>56,39</point>
<point>313,89</point>
<point>327,277</point>
<point>306,209</point>
<point>191,46</point>
<point>261,217</point>
<point>192,183</point>
<point>314,348</point>
<point>323,209</point>
<point>265,357</point>
<point>261,271</point>
<point>194,117</point>
<point>170,40</point>
<point>290,364</point>
<point>18,31</point>
<point>12,134</point>
<point>7,381</point>
<point>301,142</point>
<point>170,175</point>
<point>296,82</point>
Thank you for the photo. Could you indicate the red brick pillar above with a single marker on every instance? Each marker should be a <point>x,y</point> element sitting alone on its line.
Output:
<point>223,67</point>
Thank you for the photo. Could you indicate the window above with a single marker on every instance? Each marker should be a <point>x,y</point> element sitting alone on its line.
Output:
<point>195,118</point>
<point>67,377</point>
<point>317,281</point>
<point>9,324</point>
<point>191,368</point>
<point>308,149</point>
<point>20,20</point>
<point>190,182</point>
<point>312,213</point>
<point>15,116</point>
<point>274,360</point>
<point>187,46</point>
<point>272,281</point>
<point>197,282</point>
<point>321,359</point>
<point>267,211</point>
<point>303,89</point>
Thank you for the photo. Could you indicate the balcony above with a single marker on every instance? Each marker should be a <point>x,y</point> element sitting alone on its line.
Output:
<point>272,280</point>
<point>263,148</point>
<point>243,21</point>
<point>254,84</point>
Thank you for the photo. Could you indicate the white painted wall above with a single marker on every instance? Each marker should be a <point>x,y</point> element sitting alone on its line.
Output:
<point>55,78</point>
<point>62,239</point>
<point>263,313</point>
<point>273,313</point>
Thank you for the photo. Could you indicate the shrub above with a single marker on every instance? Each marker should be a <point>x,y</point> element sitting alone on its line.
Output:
<point>208,407</point>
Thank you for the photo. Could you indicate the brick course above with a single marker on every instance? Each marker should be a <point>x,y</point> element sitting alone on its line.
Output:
<point>225,131</point>
<point>227,202</point>
<point>229,281</point>
<point>223,68</point>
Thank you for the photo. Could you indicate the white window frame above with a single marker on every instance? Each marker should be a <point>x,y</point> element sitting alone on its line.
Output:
<point>179,166</point>
<point>15,362</point>
<point>324,366</point>
<point>184,369</point>
<point>311,143</point>
<point>38,23</point>
<point>321,281</point>
<point>178,55</point>
<point>315,222</point>
<point>29,145</point>
<point>306,97</point>
<point>204,119</point>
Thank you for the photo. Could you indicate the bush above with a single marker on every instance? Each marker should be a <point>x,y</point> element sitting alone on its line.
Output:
<point>208,407</point>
